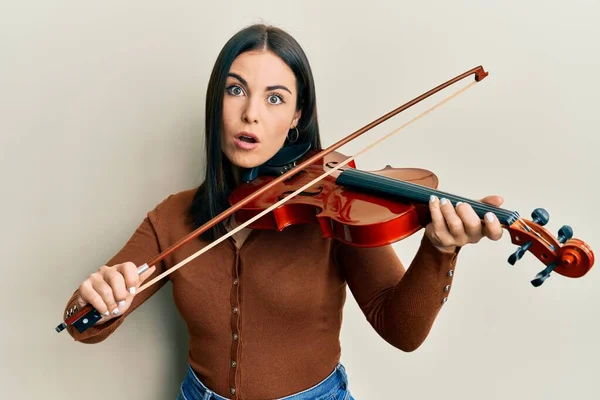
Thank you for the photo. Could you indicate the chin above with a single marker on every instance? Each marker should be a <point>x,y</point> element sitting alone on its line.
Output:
<point>245,159</point>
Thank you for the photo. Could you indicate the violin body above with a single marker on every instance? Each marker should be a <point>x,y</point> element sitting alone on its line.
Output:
<point>353,217</point>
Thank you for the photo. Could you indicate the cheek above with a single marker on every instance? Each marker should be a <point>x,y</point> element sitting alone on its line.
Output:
<point>279,123</point>
<point>276,131</point>
<point>230,110</point>
<point>280,129</point>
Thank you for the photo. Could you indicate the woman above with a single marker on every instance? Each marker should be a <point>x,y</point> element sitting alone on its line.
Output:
<point>264,308</point>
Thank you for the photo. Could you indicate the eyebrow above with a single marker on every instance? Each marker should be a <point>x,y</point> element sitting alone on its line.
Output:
<point>239,78</point>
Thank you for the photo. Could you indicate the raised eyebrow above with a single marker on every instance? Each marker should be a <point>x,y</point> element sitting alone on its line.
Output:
<point>239,78</point>
<point>279,87</point>
<point>243,81</point>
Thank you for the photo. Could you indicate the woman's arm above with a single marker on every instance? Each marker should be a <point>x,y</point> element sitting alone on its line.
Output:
<point>401,304</point>
<point>141,247</point>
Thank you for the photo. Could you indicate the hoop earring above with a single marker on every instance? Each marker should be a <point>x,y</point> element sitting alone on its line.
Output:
<point>296,138</point>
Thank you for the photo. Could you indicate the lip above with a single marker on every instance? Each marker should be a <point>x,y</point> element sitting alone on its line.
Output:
<point>245,145</point>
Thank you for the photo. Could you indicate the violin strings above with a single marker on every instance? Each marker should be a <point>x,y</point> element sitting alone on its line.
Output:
<point>423,190</point>
<point>303,188</point>
<point>420,193</point>
<point>503,213</point>
<point>527,228</point>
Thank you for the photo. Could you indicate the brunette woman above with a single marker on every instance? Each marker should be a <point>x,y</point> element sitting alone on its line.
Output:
<point>264,308</point>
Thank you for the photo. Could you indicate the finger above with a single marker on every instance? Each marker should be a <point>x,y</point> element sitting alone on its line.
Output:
<point>130,274</point>
<point>105,291</point>
<point>146,274</point>
<point>471,221</point>
<point>440,229</point>
<point>453,222</point>
<point>116,281</point>
<point>89,295</point>
<point>492,227</point>
<point>493,200</point>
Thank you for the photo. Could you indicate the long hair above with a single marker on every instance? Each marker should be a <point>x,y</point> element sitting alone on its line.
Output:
<point>212,196</point>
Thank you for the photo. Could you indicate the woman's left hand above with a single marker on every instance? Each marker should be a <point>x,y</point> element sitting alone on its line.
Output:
<point>453,227</point>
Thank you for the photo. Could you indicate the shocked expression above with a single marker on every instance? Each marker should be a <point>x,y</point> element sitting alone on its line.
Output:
<point>259,108</point>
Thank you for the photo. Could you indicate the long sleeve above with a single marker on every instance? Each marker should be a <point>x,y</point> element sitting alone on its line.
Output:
<point>401,304</point>
<point>140,248</point>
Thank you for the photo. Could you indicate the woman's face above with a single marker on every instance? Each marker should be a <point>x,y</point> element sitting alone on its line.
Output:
<point>259,108</point>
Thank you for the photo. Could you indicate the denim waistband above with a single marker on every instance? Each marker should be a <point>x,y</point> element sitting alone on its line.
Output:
<point>193,389</point>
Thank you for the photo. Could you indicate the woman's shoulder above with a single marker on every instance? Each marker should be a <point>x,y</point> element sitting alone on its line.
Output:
<point>181,199</point>
<point>174,206</point>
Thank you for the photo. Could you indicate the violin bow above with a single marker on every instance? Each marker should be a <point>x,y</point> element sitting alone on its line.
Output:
<point>479,75</point>
<point>87,316</point>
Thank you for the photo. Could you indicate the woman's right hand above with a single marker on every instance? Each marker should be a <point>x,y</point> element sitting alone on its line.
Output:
<point>110,290</point>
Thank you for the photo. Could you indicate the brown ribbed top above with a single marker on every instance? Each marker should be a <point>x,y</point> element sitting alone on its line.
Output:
<point>264,320</point>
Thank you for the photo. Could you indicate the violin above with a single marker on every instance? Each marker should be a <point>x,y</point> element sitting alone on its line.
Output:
<point>366,209</point>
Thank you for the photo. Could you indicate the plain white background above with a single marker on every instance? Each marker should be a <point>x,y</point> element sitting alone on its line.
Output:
<point>102,114</point>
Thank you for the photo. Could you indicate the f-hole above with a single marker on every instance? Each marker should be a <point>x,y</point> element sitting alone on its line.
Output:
<point>332,164</point>
<point>297,175</point>
<point>307,193</point>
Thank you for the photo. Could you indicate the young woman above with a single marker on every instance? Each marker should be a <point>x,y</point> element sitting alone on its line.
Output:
<point>264,308</point>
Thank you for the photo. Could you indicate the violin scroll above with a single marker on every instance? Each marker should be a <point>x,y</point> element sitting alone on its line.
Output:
<point>563,254</point>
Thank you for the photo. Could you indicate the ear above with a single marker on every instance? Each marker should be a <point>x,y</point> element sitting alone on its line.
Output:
<point>296,119</point>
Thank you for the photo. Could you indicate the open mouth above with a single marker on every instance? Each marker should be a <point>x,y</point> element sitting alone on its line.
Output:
<point>247,139</point>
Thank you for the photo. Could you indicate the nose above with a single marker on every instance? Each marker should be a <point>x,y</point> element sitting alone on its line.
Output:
<point>251,112</point>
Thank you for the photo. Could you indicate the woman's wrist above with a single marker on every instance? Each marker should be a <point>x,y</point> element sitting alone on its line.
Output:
<point>443,249</point>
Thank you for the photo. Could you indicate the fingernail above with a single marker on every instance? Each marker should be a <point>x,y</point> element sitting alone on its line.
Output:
<point>458,203</point>
<point>122,302</point>
<point>132,290</point>
<point>106,313</point>
<point>432,198</point>
<point>116,311</point>
<point>443,201</point>
<point>489,217</point>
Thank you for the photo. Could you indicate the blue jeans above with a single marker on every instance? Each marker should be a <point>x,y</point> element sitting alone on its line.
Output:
<point>334,387</point>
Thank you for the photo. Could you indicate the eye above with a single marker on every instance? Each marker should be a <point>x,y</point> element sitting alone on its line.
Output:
<point>235,90</point>
<point>275,99</point>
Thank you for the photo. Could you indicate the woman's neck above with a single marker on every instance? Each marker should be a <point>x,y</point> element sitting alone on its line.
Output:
<point>237,174</point>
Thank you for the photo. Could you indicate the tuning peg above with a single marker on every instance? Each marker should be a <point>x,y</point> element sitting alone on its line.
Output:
<point>519,253</point>
<point>565,233</point>
<point>540,216</point>
<point>543,275</point>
